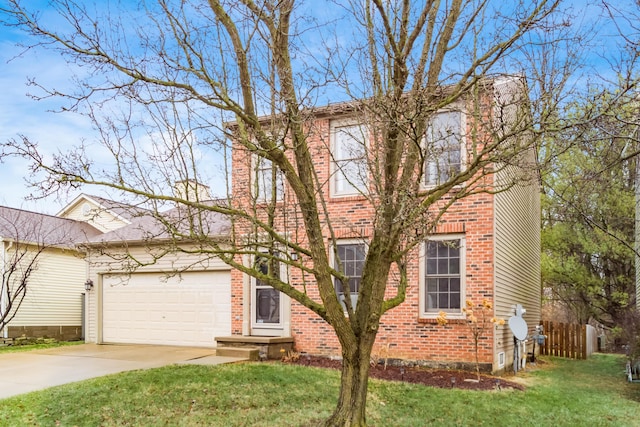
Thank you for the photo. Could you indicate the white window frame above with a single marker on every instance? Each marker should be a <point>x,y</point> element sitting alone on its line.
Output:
<point>343,181</point>
<point>422,270</point>
<point>332,258</point>
<point>260,166</point>
<point>433,166</point>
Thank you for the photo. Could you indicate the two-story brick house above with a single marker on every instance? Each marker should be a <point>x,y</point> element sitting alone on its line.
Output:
<point>485,247</point>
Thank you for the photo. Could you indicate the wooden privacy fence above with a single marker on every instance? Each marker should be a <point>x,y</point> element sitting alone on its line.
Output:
<point>568,340</point>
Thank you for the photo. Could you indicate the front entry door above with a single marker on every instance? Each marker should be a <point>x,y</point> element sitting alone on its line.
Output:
<point>266,302</point>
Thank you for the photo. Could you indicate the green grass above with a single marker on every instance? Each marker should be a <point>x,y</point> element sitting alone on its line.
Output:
<point>39,346</point>
<point>559,393</point>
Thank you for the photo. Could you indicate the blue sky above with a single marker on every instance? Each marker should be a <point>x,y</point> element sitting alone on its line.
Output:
<point>21,115</point>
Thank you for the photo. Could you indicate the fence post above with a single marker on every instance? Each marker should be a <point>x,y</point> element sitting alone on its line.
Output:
<point>556,336</point>
<point>580,331</point>
<point>574,341</point>
<point>581,341</point>
<point>545,348</point>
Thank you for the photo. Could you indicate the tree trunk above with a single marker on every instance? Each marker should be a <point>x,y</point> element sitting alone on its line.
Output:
<point>351,408</point>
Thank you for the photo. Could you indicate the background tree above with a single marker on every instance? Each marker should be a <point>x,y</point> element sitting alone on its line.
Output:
<point>588,217</point>
<point>166,80</point>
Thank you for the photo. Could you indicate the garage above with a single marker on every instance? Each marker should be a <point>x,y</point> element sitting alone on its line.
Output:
<point>190,309</point>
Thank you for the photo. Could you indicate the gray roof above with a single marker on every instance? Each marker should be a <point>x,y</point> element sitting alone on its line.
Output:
<point>145,226</point>
<point>124,210</point>
<point>32,227</point>
<point>155,226</point>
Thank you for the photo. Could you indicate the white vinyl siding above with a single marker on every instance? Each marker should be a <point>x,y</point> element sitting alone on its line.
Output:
<point>54,291</point>
<point>517,255</point>
<point>89,212</point>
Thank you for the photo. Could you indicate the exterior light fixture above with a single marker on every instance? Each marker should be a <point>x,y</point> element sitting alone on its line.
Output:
<point>294,256</point>
<point>88,285</point>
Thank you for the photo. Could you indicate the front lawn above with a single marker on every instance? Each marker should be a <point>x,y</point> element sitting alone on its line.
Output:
<point>559,393</point>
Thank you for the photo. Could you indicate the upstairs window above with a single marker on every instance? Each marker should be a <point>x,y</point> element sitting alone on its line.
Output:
<point>443,147</point>
<point>349,166</point>
<point>351,257</point>
<point>269,181</point>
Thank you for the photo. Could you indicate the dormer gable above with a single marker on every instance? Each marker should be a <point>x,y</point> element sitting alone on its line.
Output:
<point>103,214</point>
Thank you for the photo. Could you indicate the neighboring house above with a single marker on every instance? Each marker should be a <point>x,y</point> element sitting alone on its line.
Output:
<point>53,302</point>
<point>486,246</point>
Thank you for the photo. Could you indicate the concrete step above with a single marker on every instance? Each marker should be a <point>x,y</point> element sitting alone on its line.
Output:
<point>251,353</point>
<point>271,347</point>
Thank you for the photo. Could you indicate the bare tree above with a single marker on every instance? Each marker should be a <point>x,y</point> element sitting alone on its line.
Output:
<point>174,80</point>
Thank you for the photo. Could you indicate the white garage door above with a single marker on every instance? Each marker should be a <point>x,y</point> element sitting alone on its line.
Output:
<point>149,308</point>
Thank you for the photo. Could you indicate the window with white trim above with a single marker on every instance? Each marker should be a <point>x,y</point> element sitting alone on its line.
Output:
<point>443,284</point>
<point>351,257</point>
<point>268,181</point>
<point>443,147</point>
<point>349,166</point>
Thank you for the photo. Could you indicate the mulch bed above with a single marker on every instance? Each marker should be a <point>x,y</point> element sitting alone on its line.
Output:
<point>441,378</point>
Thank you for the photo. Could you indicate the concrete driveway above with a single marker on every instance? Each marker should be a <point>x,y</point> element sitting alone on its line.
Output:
<point>22,372</point>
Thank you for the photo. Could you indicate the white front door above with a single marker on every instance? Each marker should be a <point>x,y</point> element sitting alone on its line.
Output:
<point>267,304</point>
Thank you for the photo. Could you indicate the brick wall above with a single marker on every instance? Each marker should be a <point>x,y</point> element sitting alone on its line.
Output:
<point>402,334</point>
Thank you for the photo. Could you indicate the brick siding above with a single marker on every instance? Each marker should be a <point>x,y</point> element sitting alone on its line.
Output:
<point>402,334</point>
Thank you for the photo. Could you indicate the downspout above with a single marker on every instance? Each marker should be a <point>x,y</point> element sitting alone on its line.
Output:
<point>4,290</point>
<point>86,312</point>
